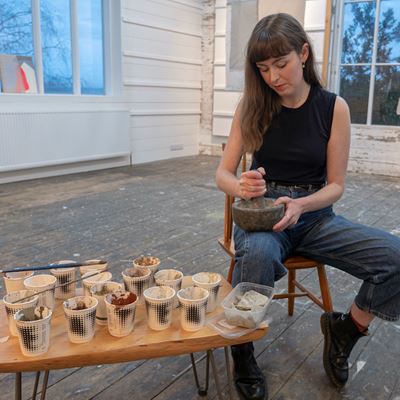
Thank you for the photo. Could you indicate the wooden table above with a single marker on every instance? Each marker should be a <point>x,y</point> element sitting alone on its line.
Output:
<point>142,343</point>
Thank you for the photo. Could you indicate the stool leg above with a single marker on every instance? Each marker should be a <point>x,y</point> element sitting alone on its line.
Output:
<point>291,289</point>
<point>324,287</point>
<point>230,271</point>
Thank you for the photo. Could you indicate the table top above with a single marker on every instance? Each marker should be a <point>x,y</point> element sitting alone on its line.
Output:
<point>141,343</point>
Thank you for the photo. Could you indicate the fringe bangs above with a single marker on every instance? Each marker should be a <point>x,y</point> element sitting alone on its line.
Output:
<point>268,45</point>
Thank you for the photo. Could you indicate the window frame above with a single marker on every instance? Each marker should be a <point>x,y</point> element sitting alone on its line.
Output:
<point>334,76</point>
<point>111,54</point>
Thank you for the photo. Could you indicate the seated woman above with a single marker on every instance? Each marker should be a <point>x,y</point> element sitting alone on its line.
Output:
<point>299,135</point>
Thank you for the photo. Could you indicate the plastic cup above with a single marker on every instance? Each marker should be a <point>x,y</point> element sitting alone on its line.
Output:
<point>150,262</point>
<point>80,312</point>
<point>65,275</point>
<point>159,304</point>
<point>39,283</point>
<point>92,277</point>
<point>99,290</point>
<point>169,277</point>
<point>14,281</point>
<point>137,280</point>
<point>13,305</point>
<point>95,265</point>
<point>33,330</point>
<point>212,282</point>
<point>121,309</point>
<point>193,302</point>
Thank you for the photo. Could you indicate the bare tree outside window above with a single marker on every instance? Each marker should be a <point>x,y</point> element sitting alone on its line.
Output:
<point>16,38</point>
<point>16,28</point>
<point>360,64</point>
<point>55,23</point>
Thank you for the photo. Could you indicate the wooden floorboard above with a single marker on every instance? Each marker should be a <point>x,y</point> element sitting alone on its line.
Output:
<point>173,210</point>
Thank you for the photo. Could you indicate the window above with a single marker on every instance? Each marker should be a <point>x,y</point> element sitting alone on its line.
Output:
<point>64,39</point>
<point>241,20</point>
<point>368,60</point>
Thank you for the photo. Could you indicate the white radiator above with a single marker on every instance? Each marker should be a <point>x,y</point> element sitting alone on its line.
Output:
<point>29,140</point>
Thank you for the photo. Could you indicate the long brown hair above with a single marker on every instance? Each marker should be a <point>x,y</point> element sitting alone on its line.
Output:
<point>274,36</point>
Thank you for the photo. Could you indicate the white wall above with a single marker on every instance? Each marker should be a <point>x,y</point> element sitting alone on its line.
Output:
<point>161,45</point>
<point>374,149</point>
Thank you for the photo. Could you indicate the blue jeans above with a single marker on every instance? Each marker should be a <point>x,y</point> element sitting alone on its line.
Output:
<point>369,254</point>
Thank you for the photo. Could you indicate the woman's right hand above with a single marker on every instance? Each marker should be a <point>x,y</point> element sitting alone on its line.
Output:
<point>252,184</point>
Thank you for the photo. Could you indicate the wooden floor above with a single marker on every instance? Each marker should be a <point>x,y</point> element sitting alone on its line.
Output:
<point>172,209</point>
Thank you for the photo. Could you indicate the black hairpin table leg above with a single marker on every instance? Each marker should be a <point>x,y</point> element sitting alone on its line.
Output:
<point>44,384</point>
<point>18,384</point>
<point>202,391</point>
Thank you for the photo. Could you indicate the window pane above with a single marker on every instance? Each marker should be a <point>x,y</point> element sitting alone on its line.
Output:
<point>16,27</point>
<point>56,46</point>
<point>91,46</point>
<point>354,88</point>
<point>389,32</point>
<point>358,32</point>
<point>386,96</point>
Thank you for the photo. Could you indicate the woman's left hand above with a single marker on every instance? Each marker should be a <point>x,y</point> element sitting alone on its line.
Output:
<point>293,210</point>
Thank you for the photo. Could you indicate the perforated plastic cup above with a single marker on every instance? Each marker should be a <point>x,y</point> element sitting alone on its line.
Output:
<point>14,281</point>
<point>137,280</point>
<point>212,282</point>
<point>193,302</point>
<point>93,277</point>
<point>121,310</point>
<point>80,312</point>
<point>12,305</point>
<point>95,265</point>
<point>64,276</point>
<point>147,262</point>
<point>169,277</point>
<point>33,330</point>
<point>159,304</point>
<point>99,291</point>
<point>39,283</point>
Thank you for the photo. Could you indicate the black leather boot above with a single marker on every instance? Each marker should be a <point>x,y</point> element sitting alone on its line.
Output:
<point>249,379</point>
<point>340,334</point>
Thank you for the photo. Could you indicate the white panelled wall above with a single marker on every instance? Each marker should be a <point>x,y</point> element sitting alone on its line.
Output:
<point>162,63</point>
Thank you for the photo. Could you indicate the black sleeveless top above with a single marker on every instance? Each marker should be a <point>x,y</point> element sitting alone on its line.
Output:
<point>294,146</point>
